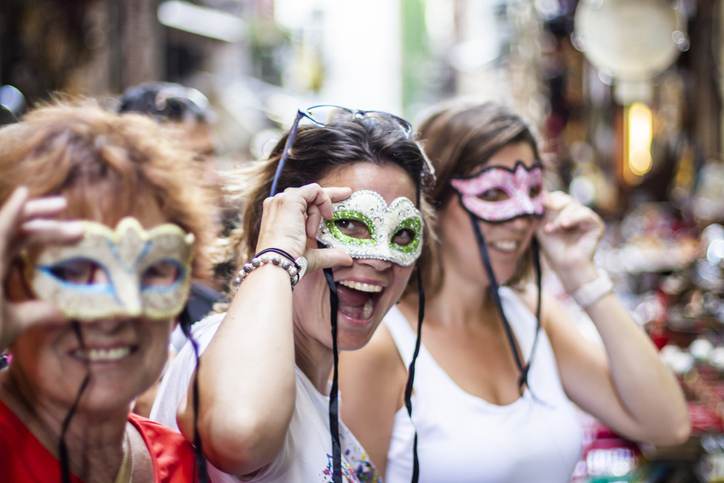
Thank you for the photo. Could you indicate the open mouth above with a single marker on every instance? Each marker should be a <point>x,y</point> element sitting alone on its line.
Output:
<point>104,354</point>
<point>357,300</point>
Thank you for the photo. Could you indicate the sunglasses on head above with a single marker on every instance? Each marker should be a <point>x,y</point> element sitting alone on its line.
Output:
<point>326,115</point>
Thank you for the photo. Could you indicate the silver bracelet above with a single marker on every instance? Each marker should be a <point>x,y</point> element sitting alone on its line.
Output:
<point>591,292</point>
<point>291,268</point>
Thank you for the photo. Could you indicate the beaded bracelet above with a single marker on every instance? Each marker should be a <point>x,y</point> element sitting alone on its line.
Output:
<point>295,268</point>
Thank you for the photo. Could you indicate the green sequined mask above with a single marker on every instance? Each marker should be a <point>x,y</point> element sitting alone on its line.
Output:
<point>364,226</point>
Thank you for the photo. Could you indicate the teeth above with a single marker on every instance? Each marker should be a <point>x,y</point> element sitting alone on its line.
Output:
<point>103,355</point>
<point>362,287</point>
<point>505,245</point>
<point>367,310</point>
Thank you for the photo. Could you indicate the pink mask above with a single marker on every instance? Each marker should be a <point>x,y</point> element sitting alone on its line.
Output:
<point>497,194</point>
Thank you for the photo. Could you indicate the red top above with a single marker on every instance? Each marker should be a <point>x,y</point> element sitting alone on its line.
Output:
<point>23,459</point>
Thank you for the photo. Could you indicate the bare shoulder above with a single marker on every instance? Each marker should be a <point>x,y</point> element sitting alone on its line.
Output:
<point>551,310</point>
<point>378,358</point>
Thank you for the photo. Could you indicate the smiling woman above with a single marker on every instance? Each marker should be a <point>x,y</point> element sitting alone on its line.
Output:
<point>500,365</point>
<point>88,305</point>
<point>347,199</point>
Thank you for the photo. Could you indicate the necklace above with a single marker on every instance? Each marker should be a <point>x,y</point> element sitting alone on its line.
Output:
<point>125,472</point>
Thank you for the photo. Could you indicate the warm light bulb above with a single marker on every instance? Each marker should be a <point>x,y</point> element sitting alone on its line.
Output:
<point>639,133</point>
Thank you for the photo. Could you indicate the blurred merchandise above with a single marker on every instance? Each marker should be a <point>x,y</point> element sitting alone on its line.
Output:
<point>670,270</point>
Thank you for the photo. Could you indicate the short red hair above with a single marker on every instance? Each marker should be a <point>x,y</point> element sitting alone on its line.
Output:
<point>107,165</point>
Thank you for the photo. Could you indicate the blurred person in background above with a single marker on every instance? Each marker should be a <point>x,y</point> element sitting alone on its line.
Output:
<point>187,116</point>
<point>264,411</point>
<point>500,369</point>
<point>102,224</point>
<point>176,105</point>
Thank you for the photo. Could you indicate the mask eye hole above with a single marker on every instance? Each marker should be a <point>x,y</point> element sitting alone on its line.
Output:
<point>493,194</point>
<point>403,237</point>
<point>163,273</point>
<point>353,228</point>
<point>78,271</point>
<point>535,191</point>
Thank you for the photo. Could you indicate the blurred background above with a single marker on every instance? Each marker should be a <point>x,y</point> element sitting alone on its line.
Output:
<point>626,97</point>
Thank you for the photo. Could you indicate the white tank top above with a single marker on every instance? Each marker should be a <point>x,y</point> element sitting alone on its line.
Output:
<point>464,439</point>
<point>306,455</point>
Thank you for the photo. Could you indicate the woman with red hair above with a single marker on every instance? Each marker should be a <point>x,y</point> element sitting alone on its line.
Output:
<point>87,306</point>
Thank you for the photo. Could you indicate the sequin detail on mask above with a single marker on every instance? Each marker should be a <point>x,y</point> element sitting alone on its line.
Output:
<point>382,222</point>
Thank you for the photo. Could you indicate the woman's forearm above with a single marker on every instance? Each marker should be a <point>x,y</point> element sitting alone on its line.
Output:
<point>247,376</point>
<point>645,387</point>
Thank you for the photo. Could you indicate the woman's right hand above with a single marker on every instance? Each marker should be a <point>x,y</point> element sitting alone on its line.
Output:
<point>24,222</point>
<point>290,221</point>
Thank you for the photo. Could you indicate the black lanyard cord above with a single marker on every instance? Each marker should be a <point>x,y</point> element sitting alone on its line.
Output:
<point>523,367</point>
<point>411,372</point>
<point>62,446</point>
<point>485,256</point>
<point>200,460</point>
<point>334,391</point>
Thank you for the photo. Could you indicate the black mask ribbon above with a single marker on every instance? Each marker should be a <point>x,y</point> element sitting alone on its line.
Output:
<point>334,391</point>
<point>62,446</point>
<point>411,373</point>
<point>523,367</point>
<point>200,462</point>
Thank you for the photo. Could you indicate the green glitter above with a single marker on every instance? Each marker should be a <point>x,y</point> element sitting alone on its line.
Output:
<point>355,216</point>
<point>413,224</point>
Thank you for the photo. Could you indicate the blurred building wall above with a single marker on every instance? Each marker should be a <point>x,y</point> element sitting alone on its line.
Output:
<point>89,47</point>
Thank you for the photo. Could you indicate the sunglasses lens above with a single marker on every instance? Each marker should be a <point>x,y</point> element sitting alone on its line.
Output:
<point>328,114</point>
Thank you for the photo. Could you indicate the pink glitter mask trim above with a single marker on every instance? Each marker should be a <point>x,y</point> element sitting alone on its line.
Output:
<point>517,185</point>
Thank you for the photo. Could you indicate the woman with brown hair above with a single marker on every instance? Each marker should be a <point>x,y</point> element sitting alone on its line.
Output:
<point>351,185</point>
<point>102,225</point>
<point>500,367</point>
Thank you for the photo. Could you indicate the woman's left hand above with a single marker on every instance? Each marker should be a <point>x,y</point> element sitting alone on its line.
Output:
<point>622,383</point>
<point>569,235</point>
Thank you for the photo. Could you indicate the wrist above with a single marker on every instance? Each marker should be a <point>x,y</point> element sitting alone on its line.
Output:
<point>574,277</point>
<point>274,257</point>
<point>593,291</point>
<point>279,244</point>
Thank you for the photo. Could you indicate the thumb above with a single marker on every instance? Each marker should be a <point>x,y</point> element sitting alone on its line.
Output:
<point>319,258</point>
